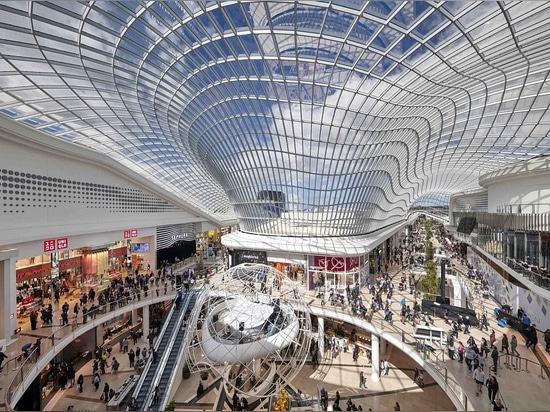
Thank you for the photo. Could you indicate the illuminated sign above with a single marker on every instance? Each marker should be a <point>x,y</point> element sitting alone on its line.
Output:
<point>49,245</point>
<point>130,233</point>
<point>63,243</point>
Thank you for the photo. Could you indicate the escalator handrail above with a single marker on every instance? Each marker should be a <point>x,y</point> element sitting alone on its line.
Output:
<point>163,401</point>
<point>167,351</point>
<point>146,368</point>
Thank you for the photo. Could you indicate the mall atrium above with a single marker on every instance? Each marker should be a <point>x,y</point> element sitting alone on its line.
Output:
<point>292,133</point>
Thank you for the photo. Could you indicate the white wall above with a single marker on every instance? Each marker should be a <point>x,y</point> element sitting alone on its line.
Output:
<point>532,301</point>
<point>29,214</point>
<point>522,183</point>
<point>525,189</point>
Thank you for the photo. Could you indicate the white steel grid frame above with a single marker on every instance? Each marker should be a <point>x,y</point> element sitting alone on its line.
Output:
<point>318,118</point>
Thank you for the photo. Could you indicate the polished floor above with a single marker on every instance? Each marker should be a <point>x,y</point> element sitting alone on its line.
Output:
<point>522,388</point>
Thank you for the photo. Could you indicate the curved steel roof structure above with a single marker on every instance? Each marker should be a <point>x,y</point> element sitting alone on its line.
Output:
<point>327,118</point>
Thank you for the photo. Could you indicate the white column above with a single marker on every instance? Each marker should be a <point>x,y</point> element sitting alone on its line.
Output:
<point>383,346</point>
<point>321,337</point>
<point>99,334</point>
<point>8,315</point>
<point>145,323</point>
<point>375,358</point>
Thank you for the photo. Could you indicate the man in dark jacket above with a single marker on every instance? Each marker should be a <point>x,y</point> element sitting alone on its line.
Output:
<point>532,338</point>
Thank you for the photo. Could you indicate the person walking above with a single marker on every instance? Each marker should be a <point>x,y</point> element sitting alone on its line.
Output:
<point>2,357</point>
<point>362,380</point>
<point>80,383</point>
<point>492,388</point>
<point>96,381</point>
<point>494,357</point>
<point>492,337</point>
<point>479,378</point>
<point>386,366</point>
<point>156,395</point>
<point>460,352</point>
<point>504,344</point>
<point>337,399</point>
<point>34,318</point>
<point>484,323</point>
<point>105,395</point>
<point>514,345</point>
<point>114,365</point>
<point>131,357</point>
<point>467,324</point>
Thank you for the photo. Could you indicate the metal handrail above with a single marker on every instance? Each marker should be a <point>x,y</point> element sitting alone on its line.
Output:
<point>167,391</point>
<point>6,368</point>
<point>49,343</point>
<point>510,364</point>
<point>33,365</point>
<point>147,366</point>
<point>164,357</point>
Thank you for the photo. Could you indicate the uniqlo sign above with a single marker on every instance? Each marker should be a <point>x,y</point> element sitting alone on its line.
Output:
<point>130,233</point>
<point>49,245</point>
<point>63,243</point>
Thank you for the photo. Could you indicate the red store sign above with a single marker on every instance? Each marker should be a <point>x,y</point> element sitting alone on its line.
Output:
<point>49,245</point>
<point>63,243</point>
<point>130,233</point>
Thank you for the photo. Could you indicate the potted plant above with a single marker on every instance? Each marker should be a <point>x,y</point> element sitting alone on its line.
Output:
<point>200,389</point>
<point>186,372</point>
<point>171,406</point>
<point>204,375</point>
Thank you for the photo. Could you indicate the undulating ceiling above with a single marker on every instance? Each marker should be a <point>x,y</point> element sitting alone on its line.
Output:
<point>320,118</point>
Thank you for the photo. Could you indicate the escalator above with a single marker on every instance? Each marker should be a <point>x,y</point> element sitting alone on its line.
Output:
<point>168,348</point>
<point>176,352</point>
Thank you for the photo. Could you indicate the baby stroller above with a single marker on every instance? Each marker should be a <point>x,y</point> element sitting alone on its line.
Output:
<point>25,352</point>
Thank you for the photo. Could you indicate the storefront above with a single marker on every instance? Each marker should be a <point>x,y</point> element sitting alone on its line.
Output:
<point>333,272</point>
<point>69,269</point>
<point>292,265</point>
<point>238,256</point>
<point>209,244</point>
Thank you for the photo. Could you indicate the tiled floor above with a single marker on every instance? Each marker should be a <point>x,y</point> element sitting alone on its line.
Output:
<point>521,390</point>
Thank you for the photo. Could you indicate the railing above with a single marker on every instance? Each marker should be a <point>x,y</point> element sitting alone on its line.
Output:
<point>436,357</point>
<point>433,364</point>
<point>33,364</point>
<point>523,208</point>
<point>520,364</point>
<point>147,366</point>
<point>538,279</point>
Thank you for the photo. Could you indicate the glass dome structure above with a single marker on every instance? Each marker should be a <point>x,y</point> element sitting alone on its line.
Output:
<point>317,118</point>
<point>254,324</point>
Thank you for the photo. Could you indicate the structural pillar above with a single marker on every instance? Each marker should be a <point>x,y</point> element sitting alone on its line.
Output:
<point>375,358</point>
<point>383,344</point>
<point>321,336</point>
<point>8,312</point>
<point>145,323</point>
<point>134,317</point>
<point>99,334</point>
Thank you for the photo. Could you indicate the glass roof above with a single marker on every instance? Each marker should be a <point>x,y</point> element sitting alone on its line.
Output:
<point>326,118</point>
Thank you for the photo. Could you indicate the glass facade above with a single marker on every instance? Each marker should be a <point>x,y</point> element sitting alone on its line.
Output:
<point>298,118</point>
